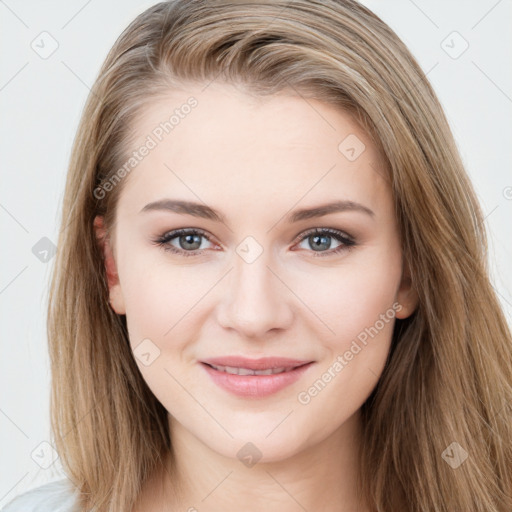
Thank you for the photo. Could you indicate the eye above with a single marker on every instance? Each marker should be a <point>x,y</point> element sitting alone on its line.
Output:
<point>189,241</point>
<point>320,238</point>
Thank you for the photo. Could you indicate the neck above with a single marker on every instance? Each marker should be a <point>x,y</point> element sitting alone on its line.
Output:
<point>323,476</point>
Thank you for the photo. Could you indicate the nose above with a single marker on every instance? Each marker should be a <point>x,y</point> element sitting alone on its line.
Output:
<point>257,299</point>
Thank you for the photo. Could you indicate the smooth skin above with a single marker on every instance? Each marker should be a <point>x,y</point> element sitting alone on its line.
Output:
<point>256,161</point>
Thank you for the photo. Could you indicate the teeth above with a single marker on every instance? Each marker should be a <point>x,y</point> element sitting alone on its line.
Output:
<point>246,371</point>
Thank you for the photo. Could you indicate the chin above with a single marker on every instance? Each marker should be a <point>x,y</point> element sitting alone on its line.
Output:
<point>254,447</point>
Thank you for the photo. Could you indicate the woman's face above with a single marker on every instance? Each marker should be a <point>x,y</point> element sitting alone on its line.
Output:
<point>248,278</point>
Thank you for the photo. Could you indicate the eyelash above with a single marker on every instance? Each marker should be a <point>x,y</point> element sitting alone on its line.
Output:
<point>348,242</point>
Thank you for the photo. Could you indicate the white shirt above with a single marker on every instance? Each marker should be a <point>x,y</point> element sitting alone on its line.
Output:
<point>58,496</point>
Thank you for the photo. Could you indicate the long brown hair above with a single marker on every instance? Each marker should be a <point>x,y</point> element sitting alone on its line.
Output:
<point>447,384</point>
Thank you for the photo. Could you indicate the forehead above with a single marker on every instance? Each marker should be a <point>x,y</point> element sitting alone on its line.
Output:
<point>280,147</point>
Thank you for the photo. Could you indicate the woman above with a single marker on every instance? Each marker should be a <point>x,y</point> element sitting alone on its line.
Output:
<point>262,366</point>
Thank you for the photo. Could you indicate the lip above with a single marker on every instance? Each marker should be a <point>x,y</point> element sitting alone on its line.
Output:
<point>263,363</point>
<point>256,386</point>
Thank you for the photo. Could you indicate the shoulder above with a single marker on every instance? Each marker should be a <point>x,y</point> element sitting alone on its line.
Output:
<point>58,496</point>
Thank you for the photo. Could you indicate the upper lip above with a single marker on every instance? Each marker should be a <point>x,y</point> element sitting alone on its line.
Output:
<point>264,363</point>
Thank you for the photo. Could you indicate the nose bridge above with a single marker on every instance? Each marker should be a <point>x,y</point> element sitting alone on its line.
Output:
<point>256,300</point>
<point>252,279</point>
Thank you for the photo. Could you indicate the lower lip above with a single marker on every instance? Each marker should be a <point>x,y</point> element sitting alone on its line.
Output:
<point>255,386</point>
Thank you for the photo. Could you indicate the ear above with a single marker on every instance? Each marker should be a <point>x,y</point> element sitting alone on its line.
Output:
<point>115,292</point>
<point>406,295</point>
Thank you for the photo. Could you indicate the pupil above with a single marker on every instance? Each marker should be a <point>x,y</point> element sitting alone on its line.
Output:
<point>323,238</point>
<point>189,239</point>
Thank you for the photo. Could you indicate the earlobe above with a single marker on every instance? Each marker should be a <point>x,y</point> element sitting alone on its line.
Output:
<point>116,298</point>
<point>406,296</point>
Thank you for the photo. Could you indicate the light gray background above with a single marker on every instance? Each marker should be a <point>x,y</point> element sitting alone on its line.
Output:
<point>41,101</point>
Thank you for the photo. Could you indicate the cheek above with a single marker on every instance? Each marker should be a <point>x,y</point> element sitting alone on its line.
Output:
<point>161,313</point>
<point>352,297</point>
<point>161,296</point>
<point>359,309</point>
<point>158,298</point>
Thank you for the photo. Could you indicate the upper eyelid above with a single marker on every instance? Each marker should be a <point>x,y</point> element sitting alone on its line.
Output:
<point>331,231</point>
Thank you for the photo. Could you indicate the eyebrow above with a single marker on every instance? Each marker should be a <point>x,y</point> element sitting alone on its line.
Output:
<point>206,212</point>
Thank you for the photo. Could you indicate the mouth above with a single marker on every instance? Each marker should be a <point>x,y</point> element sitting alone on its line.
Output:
<point>251,378</point>
<point>264,363</point>
<point>247,371</point>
